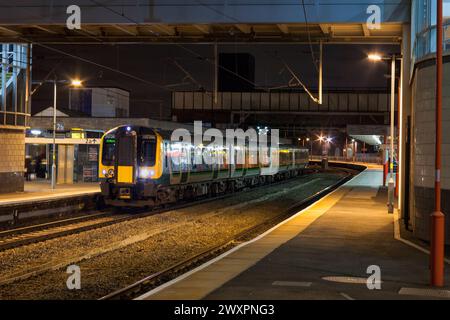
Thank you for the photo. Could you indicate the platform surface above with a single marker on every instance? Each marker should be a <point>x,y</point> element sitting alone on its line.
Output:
<point>41,190</point>
<point>336,239</point>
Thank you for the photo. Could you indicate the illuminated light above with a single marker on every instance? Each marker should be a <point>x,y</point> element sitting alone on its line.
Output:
<point>104,172</point>
<point>321,138</point>
<point>145,173</point>
<point>307,139</point>
<point>76,83</point>
<point>375,57</point>
<point>36,132</point>
<point>377,139</point>
<point>111,172</point>
<point>329,139</point>
<point>128,128</point>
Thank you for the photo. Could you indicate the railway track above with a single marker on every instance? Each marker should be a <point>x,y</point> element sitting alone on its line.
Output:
<point>190,263</point>
<point>14,238</point>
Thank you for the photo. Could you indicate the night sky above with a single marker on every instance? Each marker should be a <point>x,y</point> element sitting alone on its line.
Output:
<point>345,66</point>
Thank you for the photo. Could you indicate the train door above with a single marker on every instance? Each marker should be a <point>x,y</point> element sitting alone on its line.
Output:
<point>179,163</point>
<point>185,163</point>
<point>126,157</point>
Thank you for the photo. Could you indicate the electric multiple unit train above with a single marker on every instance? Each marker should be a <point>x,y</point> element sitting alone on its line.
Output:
<point>141,166</point>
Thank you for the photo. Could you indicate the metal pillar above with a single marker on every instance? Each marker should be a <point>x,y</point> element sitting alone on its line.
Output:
<point>28,82</point>
<point>321,73</point>
<point>54,137</point>
<point>216,74</point>
<point>391,183</point>
<point>399,102</point>
<point>437,217</point>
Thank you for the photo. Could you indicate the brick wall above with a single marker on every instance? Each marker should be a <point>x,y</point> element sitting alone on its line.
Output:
<point>12,160</point>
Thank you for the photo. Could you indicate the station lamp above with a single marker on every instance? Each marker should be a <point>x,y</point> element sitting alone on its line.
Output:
<point>393,58</point>
<point>35,132</point>
<point>375,57</point>
<point>76,83</point>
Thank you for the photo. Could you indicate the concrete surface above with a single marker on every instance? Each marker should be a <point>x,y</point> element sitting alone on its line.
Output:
<point>41,190</point>
<point>339,236</point>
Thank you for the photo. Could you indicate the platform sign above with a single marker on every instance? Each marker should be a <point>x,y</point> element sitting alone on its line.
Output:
<point>93,154</point>
<point>88,173</point>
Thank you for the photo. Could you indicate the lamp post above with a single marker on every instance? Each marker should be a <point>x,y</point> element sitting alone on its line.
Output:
<point>321,139</point>
<point>74,83</point>
<point>327,146</point>
<point>437,217</point>
<point>391,184</point>
<point>53,183</point>
<point>310,146</point>
<point>355,145</point>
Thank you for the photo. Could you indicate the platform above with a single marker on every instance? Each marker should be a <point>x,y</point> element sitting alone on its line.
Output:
<point>41,191</point>
<point>323,252</point>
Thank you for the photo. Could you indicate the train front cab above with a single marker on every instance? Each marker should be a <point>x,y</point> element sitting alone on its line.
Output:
<point>131,169</point>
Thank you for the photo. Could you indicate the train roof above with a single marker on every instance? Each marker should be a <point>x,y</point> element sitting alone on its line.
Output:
<point>167,134</point>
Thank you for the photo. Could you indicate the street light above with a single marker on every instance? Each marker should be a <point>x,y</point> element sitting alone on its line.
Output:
<point>376,57</point>
<point>74,83</point>
<point>354,145</point>
<point>321,139</point>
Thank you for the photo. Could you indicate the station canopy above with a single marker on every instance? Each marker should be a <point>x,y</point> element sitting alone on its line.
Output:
<point>370,134</point>
<point>133,21</point>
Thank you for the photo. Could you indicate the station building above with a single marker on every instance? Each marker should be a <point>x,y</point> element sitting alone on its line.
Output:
<point>419,119</point>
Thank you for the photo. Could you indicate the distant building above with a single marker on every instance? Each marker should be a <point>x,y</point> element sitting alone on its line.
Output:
<point>100,102</point>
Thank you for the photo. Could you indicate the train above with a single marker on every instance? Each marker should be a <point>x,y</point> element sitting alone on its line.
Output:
<point>142,167</point>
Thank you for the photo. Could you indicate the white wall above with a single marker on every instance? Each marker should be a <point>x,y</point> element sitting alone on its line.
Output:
<point>110,102</point>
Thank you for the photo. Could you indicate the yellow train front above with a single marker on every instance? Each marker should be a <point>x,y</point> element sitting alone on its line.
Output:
<point>141,166</point>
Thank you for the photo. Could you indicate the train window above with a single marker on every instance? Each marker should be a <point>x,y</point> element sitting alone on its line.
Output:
<point>148,152</point>
<point>166,157</point>
<point>109,147</point>
<point>126,151</point>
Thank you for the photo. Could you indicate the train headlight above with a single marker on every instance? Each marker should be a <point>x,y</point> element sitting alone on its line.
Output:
<point>111,173</point>
<point>145,173</point>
